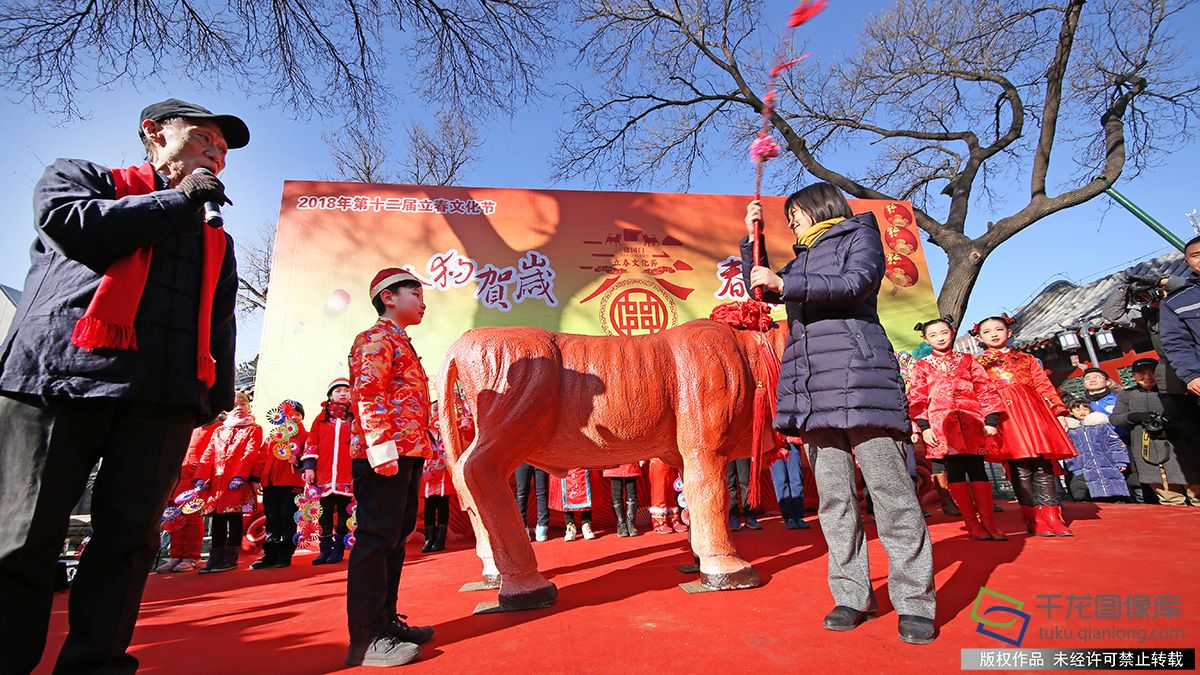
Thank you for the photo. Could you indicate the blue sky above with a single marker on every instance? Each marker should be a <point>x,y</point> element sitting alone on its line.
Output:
<point>1078,244</point>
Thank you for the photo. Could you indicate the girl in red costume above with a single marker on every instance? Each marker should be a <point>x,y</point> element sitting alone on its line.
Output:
<point>957,408</point>
<point>1031,438</point>
<point>326,464</point>
<point>222,477</point>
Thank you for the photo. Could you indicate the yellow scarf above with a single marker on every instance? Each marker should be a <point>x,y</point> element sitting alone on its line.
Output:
<point>812,234</point>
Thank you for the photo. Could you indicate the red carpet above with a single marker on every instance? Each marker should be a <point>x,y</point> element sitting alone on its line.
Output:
<point>620,608</point>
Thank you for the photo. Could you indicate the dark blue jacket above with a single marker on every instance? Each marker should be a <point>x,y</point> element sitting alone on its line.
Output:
<point>1100,459</point>
<point>81,229</point>
<point>838,370</point>
<point>1180,328</point>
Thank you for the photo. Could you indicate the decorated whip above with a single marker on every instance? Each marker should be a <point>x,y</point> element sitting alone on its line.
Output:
<point>763,147</point>
<point>754,313</point>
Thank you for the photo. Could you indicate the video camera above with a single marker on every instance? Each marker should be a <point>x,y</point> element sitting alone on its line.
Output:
<point>1143,290</point>
<point>1134,291</point>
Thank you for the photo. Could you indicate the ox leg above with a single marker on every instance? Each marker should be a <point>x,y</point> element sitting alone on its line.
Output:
<point>721,568</point>
<point>483,544</point>
<point>504,540</point>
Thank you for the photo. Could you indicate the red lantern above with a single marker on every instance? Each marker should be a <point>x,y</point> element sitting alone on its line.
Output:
<point>897,214</point>
<point>900,270</point>
<point>900,240</point>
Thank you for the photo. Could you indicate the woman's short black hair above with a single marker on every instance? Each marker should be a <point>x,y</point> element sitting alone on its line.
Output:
<point>377,301</point>
<point>821,201</point>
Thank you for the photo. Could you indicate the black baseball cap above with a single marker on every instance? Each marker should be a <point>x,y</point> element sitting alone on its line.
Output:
<point>1144,363</point>
<point>237,134</point>
<point>1096,370</point>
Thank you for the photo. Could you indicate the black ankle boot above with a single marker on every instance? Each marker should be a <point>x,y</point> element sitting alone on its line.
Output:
<point>439,538</point>
<point>429,536</point>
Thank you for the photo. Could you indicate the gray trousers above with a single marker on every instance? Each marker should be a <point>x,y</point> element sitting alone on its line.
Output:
<point>897,514</point>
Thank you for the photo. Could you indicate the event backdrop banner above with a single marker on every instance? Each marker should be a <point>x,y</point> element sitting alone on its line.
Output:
<point>598,263</point>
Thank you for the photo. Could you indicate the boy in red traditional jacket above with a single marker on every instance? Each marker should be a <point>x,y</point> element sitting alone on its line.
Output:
<point>327,466</point>
<point>276,471</point>
<point>389,394</point>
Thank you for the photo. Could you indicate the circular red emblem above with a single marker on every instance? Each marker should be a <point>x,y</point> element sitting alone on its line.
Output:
<point>637,311</point>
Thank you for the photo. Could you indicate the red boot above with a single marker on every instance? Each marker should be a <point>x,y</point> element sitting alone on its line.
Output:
<point>1054,520</point>
<point>982,492</point>
<point>1035,523</point>
<point>962,497</point>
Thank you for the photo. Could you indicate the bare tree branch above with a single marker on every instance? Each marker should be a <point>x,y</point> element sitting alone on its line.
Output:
<point>441,157</point>
<point>311,55</point>
<point>941,102</point>
<point>254,270</point>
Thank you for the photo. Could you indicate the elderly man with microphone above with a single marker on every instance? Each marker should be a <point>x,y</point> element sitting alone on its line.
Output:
<point>123,343</point>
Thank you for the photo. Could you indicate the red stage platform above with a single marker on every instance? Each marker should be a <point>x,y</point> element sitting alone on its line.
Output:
<point>620,608</point>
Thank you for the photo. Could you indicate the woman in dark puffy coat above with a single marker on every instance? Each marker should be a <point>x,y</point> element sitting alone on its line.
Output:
<point>840,391</point>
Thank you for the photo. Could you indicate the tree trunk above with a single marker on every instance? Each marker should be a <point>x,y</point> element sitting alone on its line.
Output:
<point>966,260</point>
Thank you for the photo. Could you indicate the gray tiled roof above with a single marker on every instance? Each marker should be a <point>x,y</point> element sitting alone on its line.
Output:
<point>13,295</point>
<point>1063,303</point>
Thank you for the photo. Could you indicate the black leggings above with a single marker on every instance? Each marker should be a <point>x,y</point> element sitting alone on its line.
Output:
<point>1034,481</point>
<point>226,530</point>
<point>331,505</point>
<point>437,511</point>
<point>630,486</point>
<point>965,469</point>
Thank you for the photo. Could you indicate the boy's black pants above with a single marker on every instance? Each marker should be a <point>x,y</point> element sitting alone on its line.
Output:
<point>387,514</point>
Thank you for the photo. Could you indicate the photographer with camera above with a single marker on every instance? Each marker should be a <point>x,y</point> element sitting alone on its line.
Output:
<point>1147,293</point>
<point>1181,323</point>
<point>1164,444</point>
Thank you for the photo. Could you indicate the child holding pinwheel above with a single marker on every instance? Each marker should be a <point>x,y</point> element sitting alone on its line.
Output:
<point>277,471</point>
<point>221,482</point>
<point>326,462</point>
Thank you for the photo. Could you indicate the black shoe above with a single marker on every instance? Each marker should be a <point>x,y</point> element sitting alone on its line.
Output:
<point>384,651</point>
<point>842,618</point>
<point>263,563</point>
<point>801,525</point>
<point>400,630</point>
<point>428,542</point>
<point>916,630</point>
<point>790,524</point>
<point>439,538</point>
<point>752,522</point>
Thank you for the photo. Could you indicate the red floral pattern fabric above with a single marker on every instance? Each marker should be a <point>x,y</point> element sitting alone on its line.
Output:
<point>954,394</point>
<point>389,393</point>
<point>1031,427</point>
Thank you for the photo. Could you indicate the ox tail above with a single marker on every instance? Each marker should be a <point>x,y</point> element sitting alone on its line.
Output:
<point>451,432</point>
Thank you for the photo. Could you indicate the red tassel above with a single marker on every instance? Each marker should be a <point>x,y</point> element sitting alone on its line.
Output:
<point>762,408</point>
<point>92,333</point>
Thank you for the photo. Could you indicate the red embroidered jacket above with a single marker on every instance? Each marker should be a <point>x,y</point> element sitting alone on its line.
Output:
<point>953,395</point>
<point>1008,367</point>
<point>389,393</point>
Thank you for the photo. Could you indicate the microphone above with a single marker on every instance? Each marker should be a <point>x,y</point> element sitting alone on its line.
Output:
<point>212,210</point>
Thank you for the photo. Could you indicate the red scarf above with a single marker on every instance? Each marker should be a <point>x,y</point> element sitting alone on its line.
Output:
<point>108,322</point>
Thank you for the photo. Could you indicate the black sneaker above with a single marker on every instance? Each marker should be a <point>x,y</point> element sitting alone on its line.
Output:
<point>400,629</point>
<point>384,651</point>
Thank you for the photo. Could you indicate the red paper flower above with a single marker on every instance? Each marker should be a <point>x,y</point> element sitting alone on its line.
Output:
<point>804,11</point>
<point>784,66</point>
<point>763,147</point>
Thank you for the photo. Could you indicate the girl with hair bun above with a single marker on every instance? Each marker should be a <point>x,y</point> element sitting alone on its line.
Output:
<point>953,401</point>
<point>1031,438</point>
